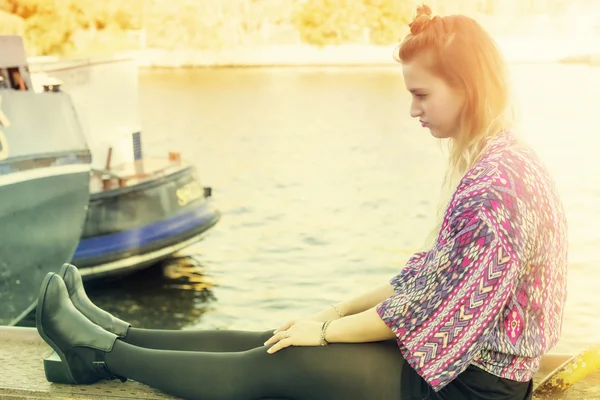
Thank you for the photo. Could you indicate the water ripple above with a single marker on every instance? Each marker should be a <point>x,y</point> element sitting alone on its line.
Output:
<point>325,196</point>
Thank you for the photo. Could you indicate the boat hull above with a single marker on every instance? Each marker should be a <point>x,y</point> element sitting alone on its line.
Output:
<point>45,166</point>
<point>135,226</point>
<point>40,223</point>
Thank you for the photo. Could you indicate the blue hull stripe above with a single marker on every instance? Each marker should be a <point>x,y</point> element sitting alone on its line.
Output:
<point>131,239</point>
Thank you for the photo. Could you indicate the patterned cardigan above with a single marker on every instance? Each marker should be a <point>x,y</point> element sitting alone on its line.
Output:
<point>491,290</point>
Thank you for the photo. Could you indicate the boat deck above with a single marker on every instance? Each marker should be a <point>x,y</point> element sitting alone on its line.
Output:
<point>129,174</point>
<point>22,377</point>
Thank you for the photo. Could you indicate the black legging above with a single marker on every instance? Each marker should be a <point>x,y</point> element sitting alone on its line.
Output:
<point>234,365</point>
<point>219,365</point>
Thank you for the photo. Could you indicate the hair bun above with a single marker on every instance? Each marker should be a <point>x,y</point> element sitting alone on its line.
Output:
<point>423,10</point>
<point>421,20</point>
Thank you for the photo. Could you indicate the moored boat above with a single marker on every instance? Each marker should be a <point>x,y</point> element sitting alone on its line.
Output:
<point>142,209</point>
<point>45,168</point>
<point>137,220</point>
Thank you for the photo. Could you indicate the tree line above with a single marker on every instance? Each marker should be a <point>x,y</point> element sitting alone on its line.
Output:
<point>58,27</point>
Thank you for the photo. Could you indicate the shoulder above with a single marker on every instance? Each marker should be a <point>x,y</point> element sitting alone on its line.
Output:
<point>506,183</point>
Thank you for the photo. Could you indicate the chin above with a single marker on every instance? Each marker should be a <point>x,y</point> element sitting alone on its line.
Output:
<point>435,133</point>
<point>438,135</point>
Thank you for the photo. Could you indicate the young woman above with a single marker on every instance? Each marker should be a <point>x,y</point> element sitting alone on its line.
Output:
<point>468,319</point>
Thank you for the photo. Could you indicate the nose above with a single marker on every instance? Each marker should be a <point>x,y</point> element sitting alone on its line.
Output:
<point>415,109</point>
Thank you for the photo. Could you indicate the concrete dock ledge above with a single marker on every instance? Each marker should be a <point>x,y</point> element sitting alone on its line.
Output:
<point>22,352</point>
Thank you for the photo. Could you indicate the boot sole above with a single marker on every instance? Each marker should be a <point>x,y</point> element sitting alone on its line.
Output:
<point>55,369</point>
<point>52,368</point>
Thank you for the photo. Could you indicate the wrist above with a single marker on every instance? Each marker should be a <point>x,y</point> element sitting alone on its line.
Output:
<point>324,341</point>
<point>342,309</point>
<point>338,310</point>
<point>331,334</point>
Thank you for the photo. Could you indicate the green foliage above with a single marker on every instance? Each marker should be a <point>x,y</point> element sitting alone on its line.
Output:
<point>10,24</point>
<point>50,26</point>
<point>42,33</point>
<point>63,26</point>
<point>59,26</point>
<point>387,20</point>
<point>209,25</point>
<point>332,22</point>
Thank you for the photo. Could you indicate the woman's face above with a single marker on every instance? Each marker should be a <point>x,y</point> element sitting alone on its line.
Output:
<point>437,105</point>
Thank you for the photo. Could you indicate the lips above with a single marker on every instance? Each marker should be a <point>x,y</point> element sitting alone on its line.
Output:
<point>424,124</point>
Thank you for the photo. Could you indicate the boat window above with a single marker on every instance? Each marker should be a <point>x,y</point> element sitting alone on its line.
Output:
<point>4,83</point>
<point>16,79</point>
<point>3,147</point>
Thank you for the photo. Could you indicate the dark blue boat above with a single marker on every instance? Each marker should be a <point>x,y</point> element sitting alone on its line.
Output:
<point>142,209</point>
<point>44,182</point>
<point>144,221</point>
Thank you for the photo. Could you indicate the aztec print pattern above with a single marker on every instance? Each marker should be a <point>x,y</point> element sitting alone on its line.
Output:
<point>491,290</point>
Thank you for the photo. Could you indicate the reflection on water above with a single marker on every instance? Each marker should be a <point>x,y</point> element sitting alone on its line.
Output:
<point>326,186</point>
<point>170,295</point>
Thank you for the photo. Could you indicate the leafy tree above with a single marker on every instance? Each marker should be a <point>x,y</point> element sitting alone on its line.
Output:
<point>387,20</point>
<point>50,26</point>
<point>330,22</point>
<point>11,24</point>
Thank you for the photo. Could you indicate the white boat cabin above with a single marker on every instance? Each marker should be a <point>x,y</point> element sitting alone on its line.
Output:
<point>14,71</point>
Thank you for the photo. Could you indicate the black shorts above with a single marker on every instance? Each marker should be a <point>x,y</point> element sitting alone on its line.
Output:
<point>473,384</point>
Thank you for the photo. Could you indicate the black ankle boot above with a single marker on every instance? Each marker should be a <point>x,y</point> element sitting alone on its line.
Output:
<point>74,283</point>
<point>80,344</point>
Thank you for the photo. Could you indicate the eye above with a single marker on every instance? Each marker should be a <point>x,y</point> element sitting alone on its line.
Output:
<point>421,96</point>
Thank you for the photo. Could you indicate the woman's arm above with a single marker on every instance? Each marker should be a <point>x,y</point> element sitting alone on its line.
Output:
<point>350,307</point>
<point>375,296</point>
<point>366,326</point>
<point>355,305</point>
<point>366,300</point>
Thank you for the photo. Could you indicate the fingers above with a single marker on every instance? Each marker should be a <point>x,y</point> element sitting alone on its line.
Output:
<point>277,338</point>
<point>284,327</point>
<point>282,344</point>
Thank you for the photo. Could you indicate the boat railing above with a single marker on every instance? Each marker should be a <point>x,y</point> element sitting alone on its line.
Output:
<point>122,175</point>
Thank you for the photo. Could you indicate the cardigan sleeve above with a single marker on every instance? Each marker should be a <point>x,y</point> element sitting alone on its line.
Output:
<point>412,267</point>
<point>444,313</point>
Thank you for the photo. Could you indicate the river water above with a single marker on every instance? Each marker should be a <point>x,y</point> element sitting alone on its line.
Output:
<point>327,186</point>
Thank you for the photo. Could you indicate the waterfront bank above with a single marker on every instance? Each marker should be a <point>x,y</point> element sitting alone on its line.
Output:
<point>543,49</point>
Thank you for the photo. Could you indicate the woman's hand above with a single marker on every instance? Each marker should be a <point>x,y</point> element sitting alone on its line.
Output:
<point>296,333</point>
<point>328,314</point>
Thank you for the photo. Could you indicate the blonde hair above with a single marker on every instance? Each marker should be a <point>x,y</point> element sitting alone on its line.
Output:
<point>467,58</point>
